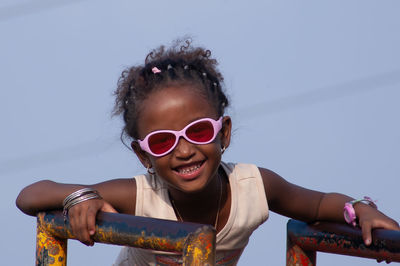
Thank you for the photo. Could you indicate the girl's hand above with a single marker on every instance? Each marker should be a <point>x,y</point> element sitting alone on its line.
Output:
<point>82,218</point>
<point>370,218</point>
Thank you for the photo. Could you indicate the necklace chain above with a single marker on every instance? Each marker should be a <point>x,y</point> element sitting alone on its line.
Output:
<point>219,203</point>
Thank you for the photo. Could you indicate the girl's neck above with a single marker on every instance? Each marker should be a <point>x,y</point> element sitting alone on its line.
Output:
<point>199,207</point>
<point>208,194</point>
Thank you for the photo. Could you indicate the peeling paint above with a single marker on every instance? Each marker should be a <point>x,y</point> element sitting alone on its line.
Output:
<point>304,240</point>
<point>49,249</point>
<point>196,242</point>
<point>200,248</point>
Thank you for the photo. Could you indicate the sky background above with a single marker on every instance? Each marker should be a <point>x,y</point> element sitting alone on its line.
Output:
<point>314,89</point>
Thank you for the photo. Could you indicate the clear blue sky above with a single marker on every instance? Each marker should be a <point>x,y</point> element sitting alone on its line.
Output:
<point>314,86</point>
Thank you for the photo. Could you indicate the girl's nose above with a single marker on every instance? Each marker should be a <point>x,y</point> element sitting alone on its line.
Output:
<point>184,149</point>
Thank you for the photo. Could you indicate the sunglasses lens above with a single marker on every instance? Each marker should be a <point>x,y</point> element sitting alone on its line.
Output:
<point>200,132</point>
<point>161,142</point>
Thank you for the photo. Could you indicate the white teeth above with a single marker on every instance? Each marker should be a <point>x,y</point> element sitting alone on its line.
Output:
<point>189,170</point>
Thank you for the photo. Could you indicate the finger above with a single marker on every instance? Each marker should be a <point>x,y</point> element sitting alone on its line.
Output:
<point>91,220</point>
<point>72,223</point>
<point>82,226</point>
<point>393,225</point>
<point>75,223</point>
<point>108,208</point>
<point>388,224</point>
<point>366,233</point>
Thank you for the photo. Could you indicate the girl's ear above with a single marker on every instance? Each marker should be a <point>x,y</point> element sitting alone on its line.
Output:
<point>226,131</point>
<point>141,154</point>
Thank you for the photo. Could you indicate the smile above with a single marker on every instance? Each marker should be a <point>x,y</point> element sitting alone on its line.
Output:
<point>189,171</point>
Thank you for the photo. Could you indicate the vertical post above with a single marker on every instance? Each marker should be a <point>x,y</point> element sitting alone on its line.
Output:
<point>295,255</point>
<point>50,250</point>
<point>199,247</point>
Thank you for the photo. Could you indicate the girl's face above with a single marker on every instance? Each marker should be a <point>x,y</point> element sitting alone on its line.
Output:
<point>189,167</point>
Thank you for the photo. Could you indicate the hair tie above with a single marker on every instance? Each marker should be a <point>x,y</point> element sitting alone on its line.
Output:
<point>155,70</point>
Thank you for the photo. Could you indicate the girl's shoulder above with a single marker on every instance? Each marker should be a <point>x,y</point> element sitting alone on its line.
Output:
<point>241,170</point>
<point>272,183</point>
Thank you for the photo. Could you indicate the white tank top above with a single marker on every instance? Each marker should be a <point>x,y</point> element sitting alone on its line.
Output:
<point>249,209</point>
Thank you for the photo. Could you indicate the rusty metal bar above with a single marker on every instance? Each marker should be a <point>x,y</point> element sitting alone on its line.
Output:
<point>304,240</point>
<point>196,242</point>
<point>50,250</point>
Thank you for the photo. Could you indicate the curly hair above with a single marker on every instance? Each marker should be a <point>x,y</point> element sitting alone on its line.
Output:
<point>181,64</point>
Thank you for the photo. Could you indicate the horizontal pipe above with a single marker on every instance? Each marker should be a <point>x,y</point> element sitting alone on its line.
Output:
<point>345,240</point>
<point>129,230</point>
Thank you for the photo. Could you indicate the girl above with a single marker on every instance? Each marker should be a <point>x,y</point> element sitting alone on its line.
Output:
<point>173,108</point>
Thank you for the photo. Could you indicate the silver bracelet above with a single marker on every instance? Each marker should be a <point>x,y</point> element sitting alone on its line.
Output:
<point>78,193</point>
<point>82,199</point>
<point>78,197</point>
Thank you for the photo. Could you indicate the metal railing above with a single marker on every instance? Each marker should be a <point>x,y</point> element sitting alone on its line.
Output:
<point>304,240</point>
<point>195,242</point>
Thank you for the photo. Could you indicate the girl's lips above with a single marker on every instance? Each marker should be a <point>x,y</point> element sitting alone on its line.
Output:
<point>190,171</point>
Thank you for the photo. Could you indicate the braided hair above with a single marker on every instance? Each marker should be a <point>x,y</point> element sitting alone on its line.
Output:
<point>181,64</point>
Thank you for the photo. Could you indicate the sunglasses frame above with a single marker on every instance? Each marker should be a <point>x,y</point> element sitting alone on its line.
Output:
<point>216,124</point>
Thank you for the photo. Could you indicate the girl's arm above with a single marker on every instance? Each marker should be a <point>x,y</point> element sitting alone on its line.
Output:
<point>118,194</point>
<point>309,205</point>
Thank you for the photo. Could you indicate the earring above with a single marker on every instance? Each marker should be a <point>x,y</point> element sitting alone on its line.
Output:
<point>150,170</point>
<point>223,149</point>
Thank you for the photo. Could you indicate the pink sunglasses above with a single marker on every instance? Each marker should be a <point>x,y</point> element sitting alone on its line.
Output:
<point>161,142</point>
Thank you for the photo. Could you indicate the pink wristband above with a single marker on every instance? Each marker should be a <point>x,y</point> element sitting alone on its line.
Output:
<point>349,212</point>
